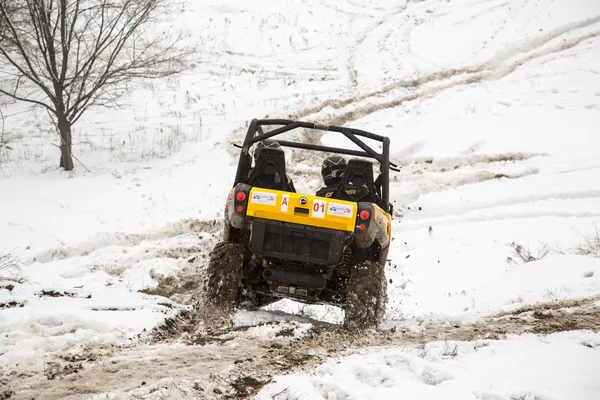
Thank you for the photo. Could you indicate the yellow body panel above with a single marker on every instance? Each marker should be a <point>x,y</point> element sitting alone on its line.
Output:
<point>384,220</point>
<point>288,207</point>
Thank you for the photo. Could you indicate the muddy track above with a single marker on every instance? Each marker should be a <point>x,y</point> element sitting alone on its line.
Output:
<point>230,362</point>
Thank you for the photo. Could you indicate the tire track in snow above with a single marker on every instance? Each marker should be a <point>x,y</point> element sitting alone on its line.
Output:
<point>450,213</point>
<point>487,72</point>
<point>178,228</point>
<point>417,224</point>
<point>351,62</point>
<point>499,66</point>
<point>349,8</point>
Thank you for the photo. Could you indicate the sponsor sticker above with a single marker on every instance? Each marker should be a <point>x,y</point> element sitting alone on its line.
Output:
<point>263,198</point>
<point>340,210</point>
<point>285,199</point>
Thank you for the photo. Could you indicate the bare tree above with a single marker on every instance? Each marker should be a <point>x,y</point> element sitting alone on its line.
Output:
<point>69,55</point>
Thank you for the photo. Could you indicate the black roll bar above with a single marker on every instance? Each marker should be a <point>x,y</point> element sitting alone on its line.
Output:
<point>256,134</point>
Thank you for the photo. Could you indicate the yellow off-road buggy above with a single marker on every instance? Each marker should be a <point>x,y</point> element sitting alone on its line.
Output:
<point>278,243</point>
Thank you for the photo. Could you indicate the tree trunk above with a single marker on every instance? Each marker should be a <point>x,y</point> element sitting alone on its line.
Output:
<point>64,129</point>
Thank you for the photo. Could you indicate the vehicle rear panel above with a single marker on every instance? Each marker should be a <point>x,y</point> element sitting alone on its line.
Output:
<point>302,209</point>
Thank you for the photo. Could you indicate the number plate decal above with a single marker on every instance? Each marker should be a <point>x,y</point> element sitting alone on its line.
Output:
<point>318,208</point>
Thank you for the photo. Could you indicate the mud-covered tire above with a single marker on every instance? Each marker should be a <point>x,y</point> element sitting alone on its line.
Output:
<point>224,275</point>
<point>366,295</point>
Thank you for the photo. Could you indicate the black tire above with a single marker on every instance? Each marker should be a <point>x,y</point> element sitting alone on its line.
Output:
<point>224,276</point>
<point>366,296</point>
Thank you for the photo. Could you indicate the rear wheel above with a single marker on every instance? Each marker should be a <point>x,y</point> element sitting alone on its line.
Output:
<point>224,276</point>
<point>366,295</point>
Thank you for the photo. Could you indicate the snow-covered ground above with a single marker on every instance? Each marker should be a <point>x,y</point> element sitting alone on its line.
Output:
<point>525,367</point>
<point>492,108</point>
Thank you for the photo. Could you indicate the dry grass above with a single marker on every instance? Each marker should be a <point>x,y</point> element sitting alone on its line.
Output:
<point>591,243</point>
<point>522,254</point>
<point>589,246</point>
<point>10,268</point>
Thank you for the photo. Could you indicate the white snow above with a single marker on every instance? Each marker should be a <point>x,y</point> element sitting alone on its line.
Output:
<point>527,367</point>
<point>492,108</point>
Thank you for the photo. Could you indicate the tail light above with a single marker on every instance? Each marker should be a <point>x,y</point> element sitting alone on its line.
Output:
<point>364,215</point>
<point>363,219</point>
<point>240,201</point>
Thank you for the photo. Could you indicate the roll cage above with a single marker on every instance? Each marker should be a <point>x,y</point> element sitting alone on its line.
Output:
<point>256,133</point>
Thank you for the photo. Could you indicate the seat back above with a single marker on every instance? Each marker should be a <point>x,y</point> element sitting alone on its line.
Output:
<point>269,170</point>
<point>357,182</point>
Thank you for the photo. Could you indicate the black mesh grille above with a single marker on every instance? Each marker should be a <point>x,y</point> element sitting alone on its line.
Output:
<point>297,243</point>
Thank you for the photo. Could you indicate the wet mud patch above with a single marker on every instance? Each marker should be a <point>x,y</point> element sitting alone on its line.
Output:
<point>63,293</point>
<point>11,304</point>
<point>7,286</point>
<point>559,316</point>
<point>54,293</point>
<point>287,332</point>
<point>173,328</point>
<point>556,305</point>
<point>542,318</point>
<point>188,253</point>
<point>185,286</point>
<point>196,325</point>
<point>74,362</point>
<point>201,323</point>
<point>182,291</point>
<point>246,386</point>
<point>54,370</point>
<point>114,308</point>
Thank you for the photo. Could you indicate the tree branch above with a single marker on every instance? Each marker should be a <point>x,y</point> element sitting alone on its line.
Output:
<point>83,53</point>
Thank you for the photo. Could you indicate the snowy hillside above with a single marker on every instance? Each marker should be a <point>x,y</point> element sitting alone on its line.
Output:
<point>492,108</point>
